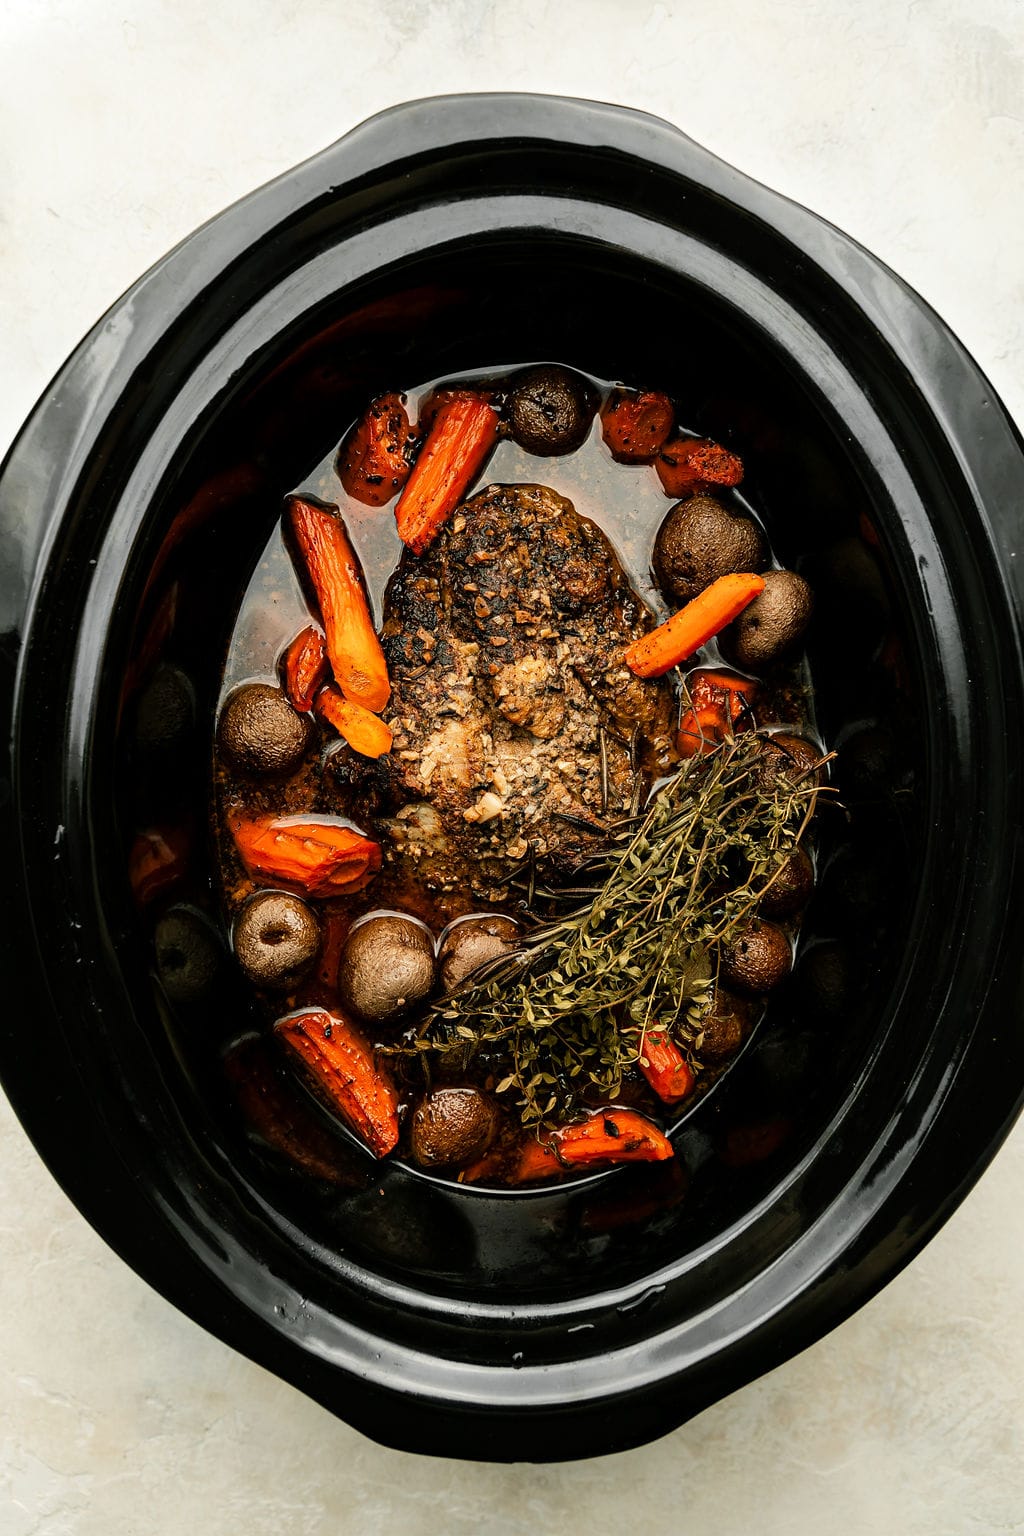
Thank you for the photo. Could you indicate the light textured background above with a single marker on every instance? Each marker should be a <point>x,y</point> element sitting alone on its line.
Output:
<point>122,126</point>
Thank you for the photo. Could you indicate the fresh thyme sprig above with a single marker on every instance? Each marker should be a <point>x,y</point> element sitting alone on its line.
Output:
<point>563,1016</point>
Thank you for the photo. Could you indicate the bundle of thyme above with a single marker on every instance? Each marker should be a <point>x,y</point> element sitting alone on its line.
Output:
<point>563,1016</point>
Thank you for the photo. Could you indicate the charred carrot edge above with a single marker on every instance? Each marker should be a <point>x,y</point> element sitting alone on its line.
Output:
<point>666,1068</point>
<point>304,667</point>
<point>693,626</point>
<point>464,431</point>
<point>335,925</point>
<point>608,1136</point>
<point>341,1065</point>
<point>353,648</point>
<point>444,394</point>
<point>322,858</point>
<point>719,701</point>
<point>363,731</point>
<point>636,424</point>
<point>688,462</point>
<point>158,860</point>
<point>374,460</point>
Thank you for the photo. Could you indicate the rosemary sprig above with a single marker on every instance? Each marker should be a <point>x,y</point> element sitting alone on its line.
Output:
<point>562,1017</point>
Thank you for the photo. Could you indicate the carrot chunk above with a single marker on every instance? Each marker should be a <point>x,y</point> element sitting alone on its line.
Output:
<point>330,563</point>
<point>693,626</point>
<point>464,430</point>
<point>323,858</point>
<point>376,456</point>
<point>304,668</point>
<point>363,731</point>
<point>719,707</point>
<point>665,1068</point>
<point>635,424</point>
<point>688,462</point>
<point>609,1136</point>
<point>341,1066</point>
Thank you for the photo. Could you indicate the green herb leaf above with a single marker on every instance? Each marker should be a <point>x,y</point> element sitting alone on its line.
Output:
<point>566,1022</point>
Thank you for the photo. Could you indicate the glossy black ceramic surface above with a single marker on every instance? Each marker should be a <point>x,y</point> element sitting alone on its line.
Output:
<point>475,232</point>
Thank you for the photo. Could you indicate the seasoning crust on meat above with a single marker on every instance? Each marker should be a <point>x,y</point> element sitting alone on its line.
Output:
<point>504,645</point>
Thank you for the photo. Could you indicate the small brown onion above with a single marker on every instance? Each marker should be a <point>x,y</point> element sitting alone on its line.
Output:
<point>724,1027</point>
<point>757,958</point>
<point>470,943</point>
<point>260,733</point>
<point>452,1126</point>
<point>276,940</point>
<point>187,954</point>
<point>387,967</point>
<point>793,756</point>
<point>771,625</point>
<point>550,409</point>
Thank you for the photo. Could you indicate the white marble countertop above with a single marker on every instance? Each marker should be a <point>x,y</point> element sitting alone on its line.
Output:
<point>124,125</point>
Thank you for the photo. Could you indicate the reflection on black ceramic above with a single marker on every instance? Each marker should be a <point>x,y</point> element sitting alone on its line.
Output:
<point>467,233</point>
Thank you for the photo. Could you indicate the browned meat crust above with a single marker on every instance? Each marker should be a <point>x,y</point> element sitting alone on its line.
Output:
<point>504,645</point>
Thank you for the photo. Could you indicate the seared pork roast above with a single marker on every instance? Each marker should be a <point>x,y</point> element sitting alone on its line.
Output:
<point>514,715</point>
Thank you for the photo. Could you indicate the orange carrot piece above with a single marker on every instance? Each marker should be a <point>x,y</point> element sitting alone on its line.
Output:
<point>693,626</point>
<point>335,926</point>
<point>720,706</point>
<point>323,858</point>
<point>635,424</point>
<point>702,730</point>
<point>353,648</point>
<point>665,1068</point>
<point>304,667</point>
<point>363,731</point>
<point>158,860</point>
<point>689,462</point>
<point>376,456</point>
<point>609,1136</point>
<point>458,444</point>
<point>341,1066</point>
<point>443,395</point>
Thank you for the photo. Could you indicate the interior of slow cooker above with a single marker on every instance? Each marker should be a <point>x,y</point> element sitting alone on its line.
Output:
<point>613,315</point>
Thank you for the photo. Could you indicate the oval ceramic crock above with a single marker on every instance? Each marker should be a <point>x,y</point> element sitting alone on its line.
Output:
<point>476,232</point>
